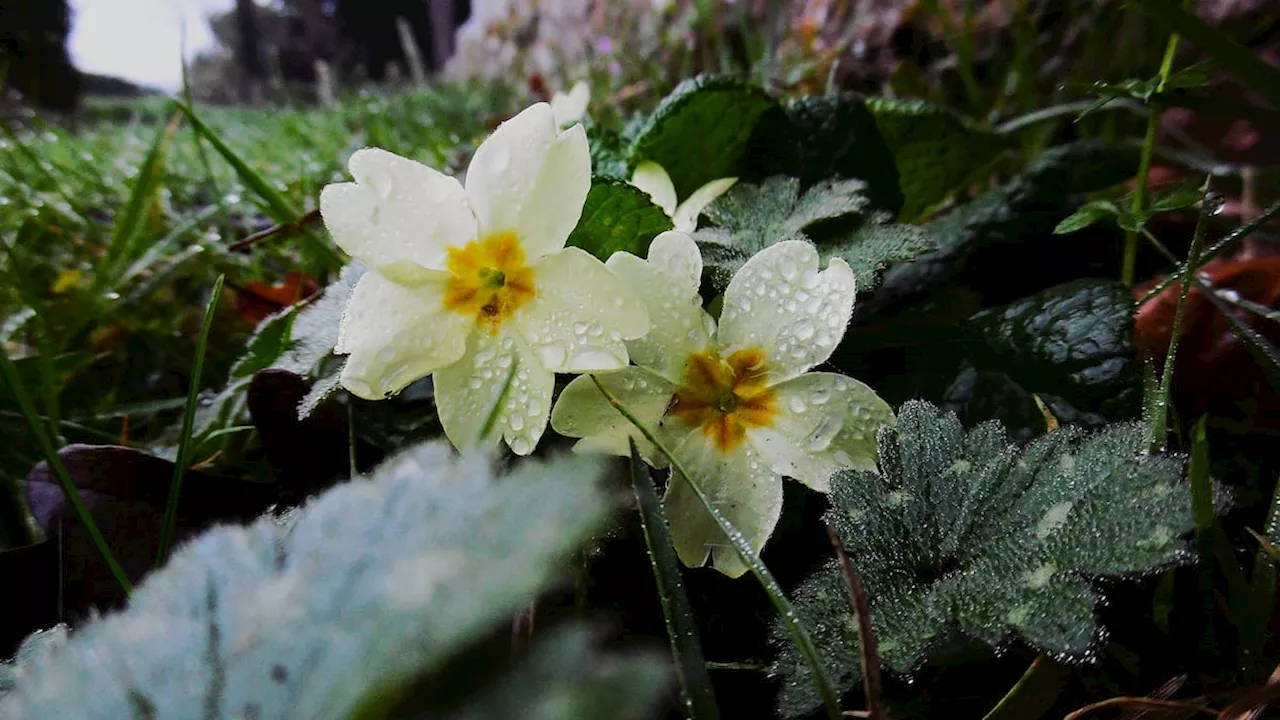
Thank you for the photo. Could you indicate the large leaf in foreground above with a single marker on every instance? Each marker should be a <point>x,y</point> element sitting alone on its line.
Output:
<point>367,589</point>
<point>963,534</point>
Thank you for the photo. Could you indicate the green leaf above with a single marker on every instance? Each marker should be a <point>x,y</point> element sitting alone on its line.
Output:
<point>1131,221</point>
<point>819,138</point>
<point>751,217</point>
<point>700,132</point>
<point>617,217</point>
<point>365,590</point>
<point>935,151</point>
<point>1091,213</point>
<point>1072,345</point>
<point>1230,55</point>
<point>270,339</point>
<point>961,534</point>
<point>149,180</point>
<point>608,151</point>
<point>1179,198</point>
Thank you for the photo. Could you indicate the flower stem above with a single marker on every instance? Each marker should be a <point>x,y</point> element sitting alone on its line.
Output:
<point>872,686</point>
<point>804,644</point>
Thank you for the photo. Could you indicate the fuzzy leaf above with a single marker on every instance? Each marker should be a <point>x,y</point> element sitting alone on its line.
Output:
<point>935,152</point>
<point>617,216</point>
<point>750,218</point>
<point>700,132</point>
<point>315,331</point>
<point>817,138</point>
<point>369,587</point>
<point>270,340</point>
<point>963,535</point>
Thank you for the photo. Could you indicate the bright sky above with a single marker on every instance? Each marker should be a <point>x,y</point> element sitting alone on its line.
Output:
<point>140,40</point>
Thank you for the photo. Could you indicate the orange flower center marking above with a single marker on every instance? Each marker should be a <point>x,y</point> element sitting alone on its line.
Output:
<point>724,397</point>
<point>489,279</point>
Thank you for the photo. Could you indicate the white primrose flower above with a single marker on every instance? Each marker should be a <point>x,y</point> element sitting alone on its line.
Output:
<point>733,403</point>
<point>474,285</point>
<point>571,107</point>
<point>650,177</point>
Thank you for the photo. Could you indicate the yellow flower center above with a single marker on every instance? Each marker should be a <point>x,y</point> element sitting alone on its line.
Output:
<point>489,279</point>
<point>724,397</point>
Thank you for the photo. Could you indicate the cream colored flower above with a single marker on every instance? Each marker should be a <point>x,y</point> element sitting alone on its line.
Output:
<point>474,285</point>
<point>650,177</point>
<point>571,107</point>
<point>733,403</point>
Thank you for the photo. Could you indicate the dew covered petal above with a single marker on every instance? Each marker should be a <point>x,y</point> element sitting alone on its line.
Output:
<point>779,301</point>
<point>823,422</point>
<point>394,334</point>
<point>530,179</point>
<point>399,216</point>
<point>583,412</point>
<point>742,487</point>
<point>650,177</point>
<point>668,284</point>
<point>467,392</point>
<point>571,107</point>
<point>582,316</point>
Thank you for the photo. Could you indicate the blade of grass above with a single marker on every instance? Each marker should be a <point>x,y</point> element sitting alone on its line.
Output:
<point>1159,417</point>
<point>148,183</point>
<point>277,204</point>
<point>59,470</point>
<point>188,422</point>
<point>1262,583</point>
<point>1212,541</point>
<point>1263,352</point>
<point>1035,692</point>
<point>1214,250</point>
<point>691,668</point>
<point>804,644</point>
<point>1228,54</point>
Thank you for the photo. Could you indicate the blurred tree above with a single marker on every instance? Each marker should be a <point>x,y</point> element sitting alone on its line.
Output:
<point>33,53</point>
<point>249,59</point>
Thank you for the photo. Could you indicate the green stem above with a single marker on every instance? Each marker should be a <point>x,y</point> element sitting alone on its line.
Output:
<point>59,470</point>
<point>804,644</point>
<point>1034,693</point>
<point>188,423</point>
<point>1139,206</point>
<point>1159,417</point>
<point>691,668</point>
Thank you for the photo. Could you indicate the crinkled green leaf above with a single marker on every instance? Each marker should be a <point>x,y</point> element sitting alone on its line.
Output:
<point>817,138</point>
<point>608,151</point>
<point>701,131</point>
<point>962,534</point>
<point>751,217</point>
<point>1072,345</point>
<point>1087,215</point>
<point>370,587</point>
<point>617,217</point>
<point>935,152</point>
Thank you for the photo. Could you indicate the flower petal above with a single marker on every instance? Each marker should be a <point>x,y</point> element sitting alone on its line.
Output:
<point>528,179</point>
<point>469,390</point>
<point>740,485</point>
<point>583,412</point>
<point>395,334</point>
<point>781,303</point>
<point>668,283</point>
<point>582,314</point>
<point>685,217</point>
<point>398,216</point>
<point>571,107</point>
<point>825,422</point>
<point>650,177</point>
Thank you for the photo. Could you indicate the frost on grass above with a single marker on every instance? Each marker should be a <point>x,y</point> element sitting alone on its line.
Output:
<point>750,218</point>
<point>964,535</point>
<point>375,584</point>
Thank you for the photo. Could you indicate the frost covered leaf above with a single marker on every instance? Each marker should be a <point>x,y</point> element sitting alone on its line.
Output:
<point>617,216</point>
<point>372,585</point>
<point>751,217</point>
<point>700,132</point>
<point>963,534</point>
<point>934,150</point>
<point>816,138</point>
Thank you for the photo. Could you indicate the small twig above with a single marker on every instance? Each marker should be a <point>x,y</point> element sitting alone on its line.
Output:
<point>283,229</point>
<point>1142,703</point>
<point>872,686</point>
